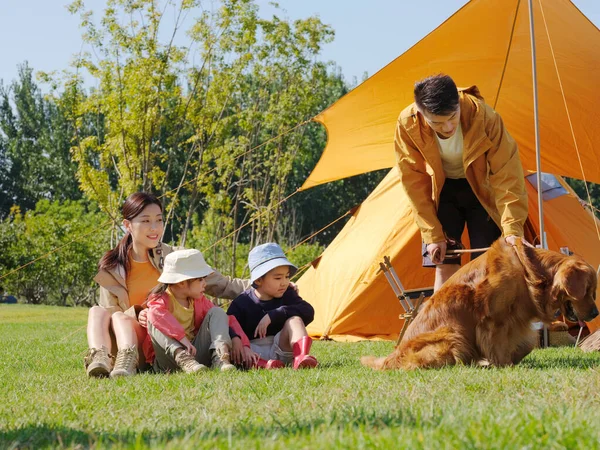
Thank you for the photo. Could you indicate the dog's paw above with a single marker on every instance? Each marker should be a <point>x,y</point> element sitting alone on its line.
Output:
<point>484,363</point>
<point>372,361</point>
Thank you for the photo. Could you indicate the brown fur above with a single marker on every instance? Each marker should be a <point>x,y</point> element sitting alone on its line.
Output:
<point>483,313</point>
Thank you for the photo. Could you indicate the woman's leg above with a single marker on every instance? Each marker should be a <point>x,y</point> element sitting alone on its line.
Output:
<point>127,330</point>
<point>98,361</point>
<point>98,325</point>
<point>128,333</point>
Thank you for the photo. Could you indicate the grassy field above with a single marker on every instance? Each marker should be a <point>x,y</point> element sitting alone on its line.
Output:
<point>46,401</point>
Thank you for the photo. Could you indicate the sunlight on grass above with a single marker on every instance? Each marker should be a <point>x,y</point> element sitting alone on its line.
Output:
<point>549,401</point>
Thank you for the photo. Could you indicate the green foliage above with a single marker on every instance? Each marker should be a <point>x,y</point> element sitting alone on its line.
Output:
<point>65,276</point>
<point>35,160</point>
<point>549,401</point>
<point>216,125</point>
<point>579,186</point>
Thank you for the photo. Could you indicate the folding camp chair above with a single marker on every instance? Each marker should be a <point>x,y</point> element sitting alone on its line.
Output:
<point>405,297</point>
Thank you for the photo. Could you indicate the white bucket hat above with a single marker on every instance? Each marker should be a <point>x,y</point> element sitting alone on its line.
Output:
<point>266,257</point>
<point>182,265</point>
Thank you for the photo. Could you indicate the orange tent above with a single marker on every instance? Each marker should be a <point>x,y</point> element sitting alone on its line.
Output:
<point>486,43</point>
<point>353,300</point>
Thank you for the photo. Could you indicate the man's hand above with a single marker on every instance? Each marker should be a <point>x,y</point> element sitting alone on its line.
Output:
<point>512,240</point>
<point>261,329</point>
<point>437,251</point>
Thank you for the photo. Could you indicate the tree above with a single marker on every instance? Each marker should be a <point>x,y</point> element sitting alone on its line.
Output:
<point>64,278</point>
<point>34,147</point>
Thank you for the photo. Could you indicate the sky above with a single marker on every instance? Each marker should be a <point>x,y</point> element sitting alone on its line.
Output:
<point>368,33</point>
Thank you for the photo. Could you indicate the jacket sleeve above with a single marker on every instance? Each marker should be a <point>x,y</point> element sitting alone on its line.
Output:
<point>294,306</point>
<point>237,329</point>
<point>506,176</point>
<point>109,301</point>
<point>218,285</point>
<point>417,184</point>
<point>162,319</point>
<point>112,296</point>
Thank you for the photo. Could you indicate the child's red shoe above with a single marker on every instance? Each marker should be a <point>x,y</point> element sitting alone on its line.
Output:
<point>302,360</point>
<point>270,364</point>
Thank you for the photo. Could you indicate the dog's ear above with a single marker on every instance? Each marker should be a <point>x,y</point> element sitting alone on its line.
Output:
<point>571,280</point>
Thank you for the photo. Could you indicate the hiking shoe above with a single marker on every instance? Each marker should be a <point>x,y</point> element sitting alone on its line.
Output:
<point>126,363</point>
<point>221,361</point>
<point>188,363</point>
<point>98,362</point>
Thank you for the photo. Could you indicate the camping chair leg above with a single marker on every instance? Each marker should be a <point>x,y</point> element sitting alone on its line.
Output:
<point>409,317</point>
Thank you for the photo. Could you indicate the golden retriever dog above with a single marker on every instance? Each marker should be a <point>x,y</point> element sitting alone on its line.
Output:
<point>483,313</point>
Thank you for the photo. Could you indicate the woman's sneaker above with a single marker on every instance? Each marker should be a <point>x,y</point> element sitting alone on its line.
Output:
<point>126,362</point>
<point>98,362</point>
<point>188,363</point>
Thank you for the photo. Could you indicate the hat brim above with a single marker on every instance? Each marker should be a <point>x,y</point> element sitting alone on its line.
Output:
<point>172,278</point>
<point>264,268</point>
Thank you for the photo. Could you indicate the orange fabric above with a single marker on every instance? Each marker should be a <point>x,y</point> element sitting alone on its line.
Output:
<point>486,43</point>
<point>351,297</point>
<point>490,159</point>
<point>141,279</point>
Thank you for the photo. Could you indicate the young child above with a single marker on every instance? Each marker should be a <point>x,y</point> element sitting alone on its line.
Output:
<point>272,314</point>
<point>188,332</point>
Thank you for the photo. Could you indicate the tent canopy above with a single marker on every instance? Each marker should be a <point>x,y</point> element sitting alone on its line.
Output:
<point>486,43</point>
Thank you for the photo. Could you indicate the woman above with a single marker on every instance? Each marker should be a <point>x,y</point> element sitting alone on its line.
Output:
<point>126,275</point>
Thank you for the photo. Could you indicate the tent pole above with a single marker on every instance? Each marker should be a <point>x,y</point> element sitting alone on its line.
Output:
<point>537,144</point>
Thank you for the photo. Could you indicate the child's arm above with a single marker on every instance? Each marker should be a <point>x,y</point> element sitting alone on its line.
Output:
<point>293,305</point>
<point>161,318</point>
<point>235,330</point>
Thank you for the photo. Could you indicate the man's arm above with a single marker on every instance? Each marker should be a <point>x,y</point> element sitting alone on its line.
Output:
<point>506,176</point>
<point>417,184</point>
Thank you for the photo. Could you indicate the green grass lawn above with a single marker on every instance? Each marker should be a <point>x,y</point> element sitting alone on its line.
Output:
<point>46,400</point>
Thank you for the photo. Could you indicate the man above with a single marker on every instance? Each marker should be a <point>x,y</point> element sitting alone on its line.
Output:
<point>458,165</point>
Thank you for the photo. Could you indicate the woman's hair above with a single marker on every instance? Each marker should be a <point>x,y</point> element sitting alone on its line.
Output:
<point>437,95</point>
<point>133,207</point>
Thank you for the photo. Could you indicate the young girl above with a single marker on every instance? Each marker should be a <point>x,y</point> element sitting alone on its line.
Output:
<point>187,331</point>
<point>126,275</point>
<point>271,312</point>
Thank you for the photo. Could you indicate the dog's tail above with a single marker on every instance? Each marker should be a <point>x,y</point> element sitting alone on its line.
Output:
<point>373,362</point>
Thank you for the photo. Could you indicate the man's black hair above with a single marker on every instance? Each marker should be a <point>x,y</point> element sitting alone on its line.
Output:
<point>437,95</point>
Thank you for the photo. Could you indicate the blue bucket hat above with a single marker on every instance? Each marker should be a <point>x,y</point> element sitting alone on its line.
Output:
<point>266,257</point>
